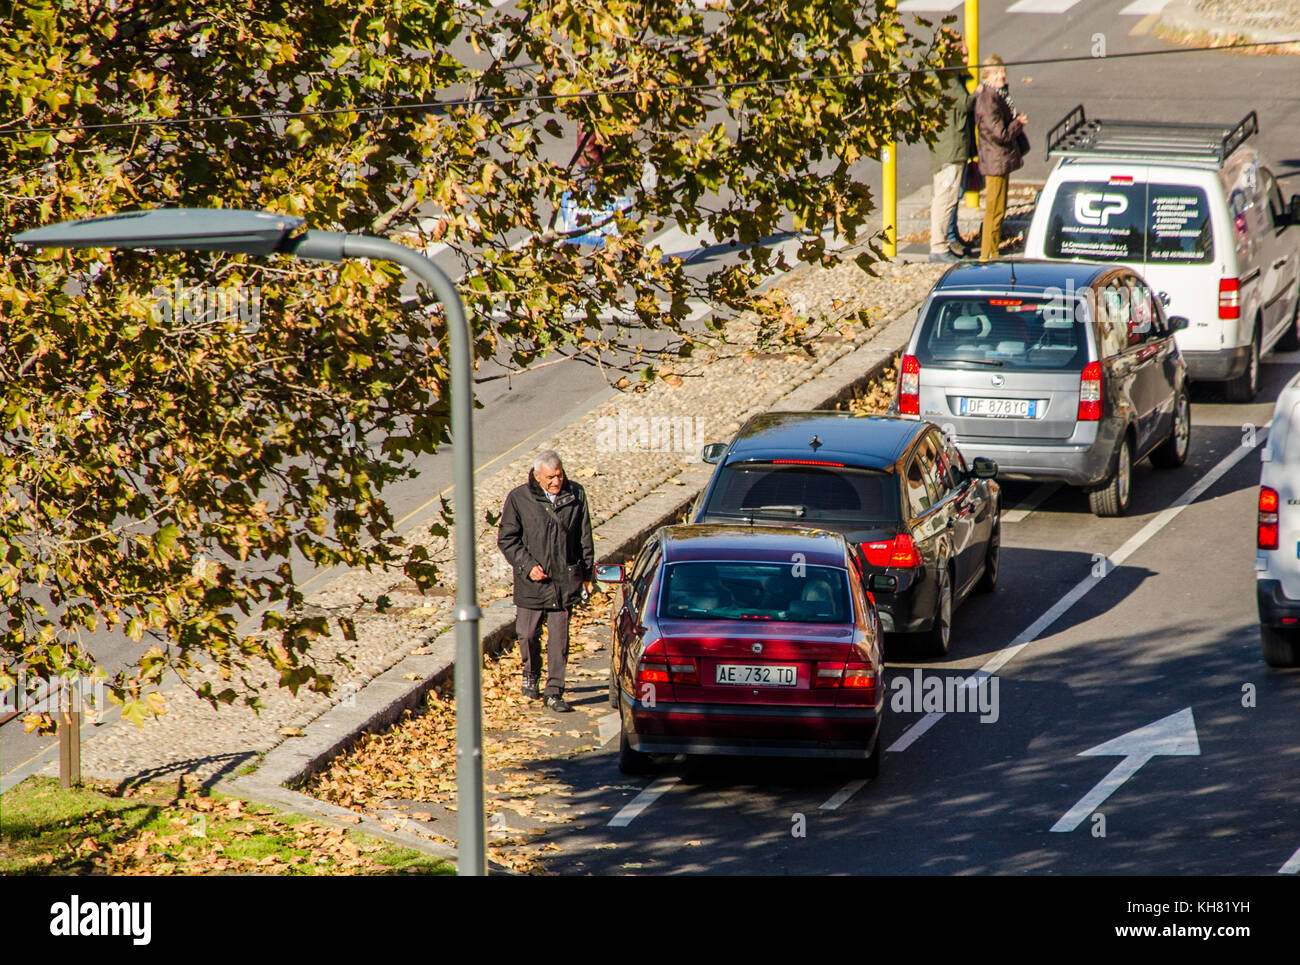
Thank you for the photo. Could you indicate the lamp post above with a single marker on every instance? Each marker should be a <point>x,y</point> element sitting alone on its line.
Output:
<point>263,233</point>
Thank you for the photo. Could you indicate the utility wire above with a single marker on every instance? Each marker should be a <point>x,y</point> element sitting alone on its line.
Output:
<point>443,106</point>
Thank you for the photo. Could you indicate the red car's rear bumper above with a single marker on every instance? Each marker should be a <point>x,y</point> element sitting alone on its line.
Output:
<point>744,729</point>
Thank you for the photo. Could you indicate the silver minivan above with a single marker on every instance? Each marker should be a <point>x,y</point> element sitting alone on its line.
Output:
<point>1061,371</point>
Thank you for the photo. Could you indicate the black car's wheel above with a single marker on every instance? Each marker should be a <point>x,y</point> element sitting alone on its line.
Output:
<point>1112,499</point>
<point>989,580</point>
<point>1281,649</point>
<point>1172,453</point>
<point>937,639</point>
<point>629,761</point>
<point>1245,386</point>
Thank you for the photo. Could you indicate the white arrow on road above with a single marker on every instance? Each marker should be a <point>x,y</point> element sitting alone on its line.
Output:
<point>1174,735</point>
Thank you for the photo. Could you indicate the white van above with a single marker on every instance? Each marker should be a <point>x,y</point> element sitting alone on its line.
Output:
<point>1277,563</point>
<point>1193,209</point>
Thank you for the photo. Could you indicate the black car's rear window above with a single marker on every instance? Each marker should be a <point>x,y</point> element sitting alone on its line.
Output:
<point>743,590</point>
<point>1101,221</point>
<point>1006,332</point>
<point>811,494</point>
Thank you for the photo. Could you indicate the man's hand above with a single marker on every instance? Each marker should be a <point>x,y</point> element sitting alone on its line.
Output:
<point>537,574</point>
<point>1022,119</point>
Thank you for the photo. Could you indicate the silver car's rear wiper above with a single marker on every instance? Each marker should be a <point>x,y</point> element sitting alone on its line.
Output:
<point>993,362</point>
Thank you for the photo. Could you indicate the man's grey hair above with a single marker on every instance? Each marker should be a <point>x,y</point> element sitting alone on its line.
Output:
<point>547,459</point>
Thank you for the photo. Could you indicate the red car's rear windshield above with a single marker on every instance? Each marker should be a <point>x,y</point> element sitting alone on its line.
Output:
<point>742,590</point>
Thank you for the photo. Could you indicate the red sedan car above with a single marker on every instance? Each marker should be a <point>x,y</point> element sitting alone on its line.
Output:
<point>745,640</point>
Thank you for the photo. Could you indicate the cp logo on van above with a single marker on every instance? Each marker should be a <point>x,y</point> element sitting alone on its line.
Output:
<point>1096,209</point>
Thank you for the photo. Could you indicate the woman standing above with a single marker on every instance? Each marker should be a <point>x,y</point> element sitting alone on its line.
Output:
<point>999,149</point>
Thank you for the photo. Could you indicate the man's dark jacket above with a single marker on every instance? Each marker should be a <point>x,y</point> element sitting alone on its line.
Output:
<point>558,538</point>
<point>999,152</point>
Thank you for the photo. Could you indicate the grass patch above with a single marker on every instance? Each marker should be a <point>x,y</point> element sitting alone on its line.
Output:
<point>153,829</point>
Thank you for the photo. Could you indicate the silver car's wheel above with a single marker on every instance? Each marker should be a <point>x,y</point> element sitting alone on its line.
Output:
<point>1112,499</point>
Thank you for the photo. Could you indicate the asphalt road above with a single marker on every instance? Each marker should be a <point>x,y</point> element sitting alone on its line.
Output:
<point>1171,631</point>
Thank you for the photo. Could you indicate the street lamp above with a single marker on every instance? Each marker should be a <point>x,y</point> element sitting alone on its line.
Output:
<point>264,233</point>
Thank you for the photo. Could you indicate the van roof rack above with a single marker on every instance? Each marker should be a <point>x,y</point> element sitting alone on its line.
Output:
<point>1076,136</point>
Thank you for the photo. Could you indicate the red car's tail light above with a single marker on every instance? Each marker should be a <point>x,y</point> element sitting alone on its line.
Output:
<point>909,386</point>
<point>652,668</point>
<point>684,670</point>
<point>1267,538</point>
<point>828,674</point>
<point>899,551</point>
<point>1229,298</point>
<point>859,675</point>
<point>1090,393</point>
<point>861,678</point>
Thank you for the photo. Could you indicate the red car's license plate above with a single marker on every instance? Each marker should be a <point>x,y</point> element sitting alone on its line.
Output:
<point>757,675</point>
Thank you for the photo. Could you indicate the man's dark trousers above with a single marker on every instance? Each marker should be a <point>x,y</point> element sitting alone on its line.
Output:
<point>528,627</point>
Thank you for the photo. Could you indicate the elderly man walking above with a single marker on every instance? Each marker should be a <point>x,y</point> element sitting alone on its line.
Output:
<point>545,533</point>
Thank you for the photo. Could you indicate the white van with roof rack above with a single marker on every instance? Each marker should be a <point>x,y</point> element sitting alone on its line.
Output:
<point>1194,210</point>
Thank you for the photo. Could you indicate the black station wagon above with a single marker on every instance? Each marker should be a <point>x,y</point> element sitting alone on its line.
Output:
<point>924,527</point>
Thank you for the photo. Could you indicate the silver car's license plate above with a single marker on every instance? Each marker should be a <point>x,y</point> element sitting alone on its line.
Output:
<point>751,675</point>
<point>999,408</point>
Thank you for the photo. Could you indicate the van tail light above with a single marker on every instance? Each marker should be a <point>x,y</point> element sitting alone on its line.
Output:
<point>1268,535</point>
<point>1229,298</point>
<point>909,386</point>
<point>1090,393</point>
<point>899,551</point>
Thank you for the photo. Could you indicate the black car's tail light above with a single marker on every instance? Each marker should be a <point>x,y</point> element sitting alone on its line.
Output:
<point>1267,538</point>
<point>899,551</point>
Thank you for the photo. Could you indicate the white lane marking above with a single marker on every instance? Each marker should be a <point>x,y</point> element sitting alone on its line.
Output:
<point>915,731</point>
<point>1292,866</point>
<point>843,794</point>
<point>933,6</point>
<point>643,801</point>
<point>1090,582</point>
<point>607,727</point>
<point>1032,502</point>
<point>1174,735</point>
<point>1140,8</point>
<point>1041,6</point>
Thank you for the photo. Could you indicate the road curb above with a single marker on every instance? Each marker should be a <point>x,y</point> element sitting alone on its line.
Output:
<point>404,685</point>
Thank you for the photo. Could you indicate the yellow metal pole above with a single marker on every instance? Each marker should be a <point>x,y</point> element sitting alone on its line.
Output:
<point>973,61</point>
<point>889,182</point>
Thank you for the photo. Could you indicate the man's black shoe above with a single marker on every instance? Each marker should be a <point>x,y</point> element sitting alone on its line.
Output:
<point>531,690</point>
<point>558,704</point>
